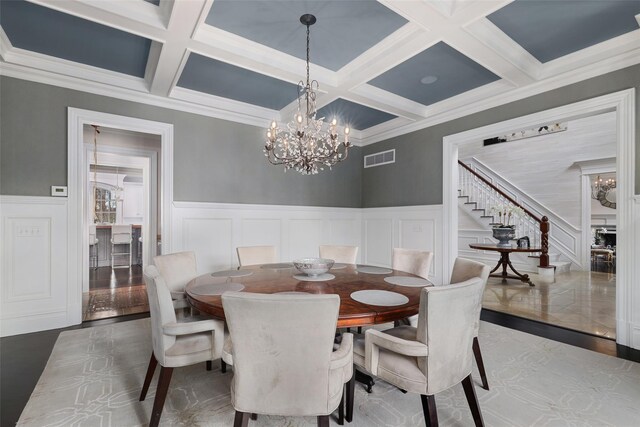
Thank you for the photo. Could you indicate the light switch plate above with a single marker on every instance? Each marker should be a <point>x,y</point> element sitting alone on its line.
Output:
<point>58,191</point>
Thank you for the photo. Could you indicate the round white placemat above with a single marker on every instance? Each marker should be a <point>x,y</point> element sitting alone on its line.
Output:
<point>338,266</point>
<point>216,289</point>
<point>318,278</point>
<point>416,282</point>
<point>277,266</point>
<point>373,270</point>
<point>232,273</point>
<point>377,297</point>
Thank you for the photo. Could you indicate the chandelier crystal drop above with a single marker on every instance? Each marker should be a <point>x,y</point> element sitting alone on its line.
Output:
<point>305,144</point>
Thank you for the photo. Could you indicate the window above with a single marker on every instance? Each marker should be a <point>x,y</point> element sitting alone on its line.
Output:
<point>106,204</point>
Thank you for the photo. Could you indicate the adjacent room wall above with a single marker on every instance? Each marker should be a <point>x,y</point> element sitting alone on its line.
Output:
<point>214,160</point>
<point>416,176</point>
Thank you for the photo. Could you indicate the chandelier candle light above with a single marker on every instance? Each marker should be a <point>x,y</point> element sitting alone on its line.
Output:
<point>305,145</point>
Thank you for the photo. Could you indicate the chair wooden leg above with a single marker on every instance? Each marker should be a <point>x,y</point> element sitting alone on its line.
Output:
<point>223,366</point>
<point>208,363</point>
<point>241,419</point>
<point>254,417</point>
<point>472,399</point>
<point>341,409</point>
<point>323,420</point>
<point>153,362</point>
<point>161,395</point>
<point>429,409</point>
<point>478,356</point>
<point>351,387</point>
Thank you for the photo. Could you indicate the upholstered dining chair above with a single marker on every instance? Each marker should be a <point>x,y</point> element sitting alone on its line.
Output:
<point>177,270</point>
<point>432,357</point>
<point>412,261</point>
<point>252,255</point>
<point>175,343</point>
<point>343,254</point>
<point>463,270</point>
<point>283,358</point>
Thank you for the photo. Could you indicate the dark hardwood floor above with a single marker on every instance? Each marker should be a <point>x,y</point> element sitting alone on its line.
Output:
<point>23,357</point>
<point>110,278</point>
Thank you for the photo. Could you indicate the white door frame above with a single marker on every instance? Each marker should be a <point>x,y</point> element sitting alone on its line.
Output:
<point>76,176</point>
<point>133,158</point>
<point>628,269</point>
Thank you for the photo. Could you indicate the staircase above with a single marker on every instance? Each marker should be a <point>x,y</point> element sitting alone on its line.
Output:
<point>478,195</point>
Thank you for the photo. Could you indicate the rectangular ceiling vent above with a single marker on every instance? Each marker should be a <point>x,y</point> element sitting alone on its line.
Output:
<point>379,159</point>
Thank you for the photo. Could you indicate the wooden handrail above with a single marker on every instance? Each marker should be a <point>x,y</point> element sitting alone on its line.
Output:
<point>502,193</point>
<point>543,222</point>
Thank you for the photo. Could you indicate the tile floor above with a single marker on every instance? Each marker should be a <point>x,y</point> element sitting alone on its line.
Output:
<point>579,300</point>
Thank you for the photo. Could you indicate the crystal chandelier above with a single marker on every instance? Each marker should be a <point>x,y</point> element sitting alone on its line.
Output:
<point>601,188</point>
<point>304,145</point>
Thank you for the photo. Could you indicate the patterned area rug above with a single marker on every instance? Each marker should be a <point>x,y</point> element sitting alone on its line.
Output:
<point>94,376</point>
<point>105,303</point>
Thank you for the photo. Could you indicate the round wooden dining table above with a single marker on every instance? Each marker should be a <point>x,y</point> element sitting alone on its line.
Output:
<point>279,278</point>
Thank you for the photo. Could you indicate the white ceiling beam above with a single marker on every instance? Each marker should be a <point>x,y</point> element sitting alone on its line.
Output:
<point>139,17</point>
<point>5,44</point>
<point>183,22</point>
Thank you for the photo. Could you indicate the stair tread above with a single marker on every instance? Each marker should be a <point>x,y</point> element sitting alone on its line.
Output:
<point>486,216</point>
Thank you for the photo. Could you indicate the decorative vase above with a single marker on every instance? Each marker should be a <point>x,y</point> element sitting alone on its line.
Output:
<point>504,234</point>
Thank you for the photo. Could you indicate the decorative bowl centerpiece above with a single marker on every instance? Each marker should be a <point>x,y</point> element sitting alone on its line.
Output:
<point>313,267</point>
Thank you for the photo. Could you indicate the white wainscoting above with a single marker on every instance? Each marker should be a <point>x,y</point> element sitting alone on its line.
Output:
<point>411,227</point>
<point>34,287</point>
<point>214,230</point>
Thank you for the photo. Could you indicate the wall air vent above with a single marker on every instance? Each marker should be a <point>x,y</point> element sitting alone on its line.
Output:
<point>379,159</point>
<point>527,133</point>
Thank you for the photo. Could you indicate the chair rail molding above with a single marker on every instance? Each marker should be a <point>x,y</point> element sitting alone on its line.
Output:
<point>628,242</point>
<point>76,182</point>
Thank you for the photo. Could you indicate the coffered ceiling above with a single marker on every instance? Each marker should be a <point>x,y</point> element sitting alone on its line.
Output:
<point>384,67</point>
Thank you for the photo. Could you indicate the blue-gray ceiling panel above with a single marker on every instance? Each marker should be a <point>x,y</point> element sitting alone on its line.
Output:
<point>455,74</point>
<point>228,81</point>
<point>47,31</point>
<point>354,115</point>
<point>552,29</point>
<point>345,29</point>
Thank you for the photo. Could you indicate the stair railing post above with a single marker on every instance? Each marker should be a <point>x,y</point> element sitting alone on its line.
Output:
<point>544,237</point>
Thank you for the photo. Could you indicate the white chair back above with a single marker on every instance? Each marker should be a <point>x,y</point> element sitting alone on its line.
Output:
<point>282,346</point>
<point>412,261</point>
<point>177,270</point>
<point>465,269</point>
<point>252,255</point>
<point>121,234</point>
<point>343,254</point>
<point>446,322</point>
<point>93,237</point>
<point>161,310</point>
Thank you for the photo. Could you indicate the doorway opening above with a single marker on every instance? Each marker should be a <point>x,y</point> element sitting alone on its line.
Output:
<point>622,105</point>
<point>122,217</point>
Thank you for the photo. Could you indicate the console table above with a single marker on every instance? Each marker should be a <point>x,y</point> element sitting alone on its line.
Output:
<point>505,262</point>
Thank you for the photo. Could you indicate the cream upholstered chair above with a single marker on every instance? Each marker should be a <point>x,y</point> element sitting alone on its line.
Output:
<point>434,356</point>
<point>252,255</point>
<point>283,358</point>
<point>412,261</point>
<point>344,254</point>
<point>465,269</point>
<point>177,270</point>
<point>175,343</point>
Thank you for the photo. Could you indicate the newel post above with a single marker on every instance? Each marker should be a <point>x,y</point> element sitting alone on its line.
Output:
<point>544,231</point>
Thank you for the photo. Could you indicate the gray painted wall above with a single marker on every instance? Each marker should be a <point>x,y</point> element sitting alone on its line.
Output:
<point>215,160</point>
<point>416,176</point>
